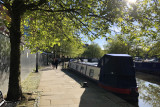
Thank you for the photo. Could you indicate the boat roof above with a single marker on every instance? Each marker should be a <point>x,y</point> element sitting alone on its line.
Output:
<point>90,63</point>
<point>122,55</point>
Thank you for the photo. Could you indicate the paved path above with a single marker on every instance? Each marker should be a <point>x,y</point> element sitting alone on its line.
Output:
<point>62,89</point>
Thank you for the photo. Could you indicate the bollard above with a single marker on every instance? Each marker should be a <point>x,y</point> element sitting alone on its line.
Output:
<point>2,101</point>
<point>84,84</point>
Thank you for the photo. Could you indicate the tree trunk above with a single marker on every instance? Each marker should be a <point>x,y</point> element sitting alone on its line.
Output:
<point>14,89</point>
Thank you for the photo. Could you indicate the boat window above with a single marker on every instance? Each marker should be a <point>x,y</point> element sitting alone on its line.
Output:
<point>91,73</point>
<point>82,68</point>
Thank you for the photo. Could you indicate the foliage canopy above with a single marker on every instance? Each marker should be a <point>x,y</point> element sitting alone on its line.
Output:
<point>93,51</point>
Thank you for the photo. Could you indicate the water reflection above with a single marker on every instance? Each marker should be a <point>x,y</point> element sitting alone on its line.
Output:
<point>149,94</point>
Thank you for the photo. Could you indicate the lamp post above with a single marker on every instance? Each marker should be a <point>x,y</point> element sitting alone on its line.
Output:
<point>37,62</point>
<point>47,58</point>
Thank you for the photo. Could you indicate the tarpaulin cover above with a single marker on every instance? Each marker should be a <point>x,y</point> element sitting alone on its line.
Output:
<point>117,70</point>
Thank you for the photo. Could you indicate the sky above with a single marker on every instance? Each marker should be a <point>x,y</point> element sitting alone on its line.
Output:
<point>102,41</point>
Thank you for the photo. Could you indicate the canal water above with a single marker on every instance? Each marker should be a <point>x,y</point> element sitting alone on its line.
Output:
<point>149,94</point>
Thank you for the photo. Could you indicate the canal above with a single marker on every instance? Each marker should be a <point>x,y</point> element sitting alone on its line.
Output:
<point>149,90</point>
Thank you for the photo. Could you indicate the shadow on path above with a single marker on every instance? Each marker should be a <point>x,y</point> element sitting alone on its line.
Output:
<point>46,68</point>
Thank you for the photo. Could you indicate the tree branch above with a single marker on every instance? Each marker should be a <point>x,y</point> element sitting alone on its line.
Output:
<point>82,24</point>
<point>60,26</point>
<point>65,10</point>
<point>34,5</point>
<point>7,5</point>
<point>77,18</point>
<point>100,17</point>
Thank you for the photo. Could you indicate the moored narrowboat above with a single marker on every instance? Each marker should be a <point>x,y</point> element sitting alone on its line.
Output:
<point>114,72</point>
<point>117,73</point>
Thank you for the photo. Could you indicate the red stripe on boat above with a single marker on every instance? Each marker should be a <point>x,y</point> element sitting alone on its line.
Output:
<point>116,90</point>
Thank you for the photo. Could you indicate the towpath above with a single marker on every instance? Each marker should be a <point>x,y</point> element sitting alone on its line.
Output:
<point>61,88</point>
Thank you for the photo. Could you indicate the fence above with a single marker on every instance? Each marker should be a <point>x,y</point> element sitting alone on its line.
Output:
<point>28,62</point>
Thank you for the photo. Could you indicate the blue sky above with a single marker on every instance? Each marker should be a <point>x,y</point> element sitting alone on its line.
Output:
<point>102,41</point>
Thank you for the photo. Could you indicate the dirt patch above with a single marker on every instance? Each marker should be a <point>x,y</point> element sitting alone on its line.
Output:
<point>29,89</point>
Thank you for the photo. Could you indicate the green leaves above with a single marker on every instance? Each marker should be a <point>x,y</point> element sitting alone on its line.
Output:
<point>89,18</point>
<point>93,51</point>
<point>120,19</point>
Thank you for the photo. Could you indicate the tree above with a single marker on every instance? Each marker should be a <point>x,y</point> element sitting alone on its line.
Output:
<point>121,44</point>
<point>118,45</point>
<point>93,51</point>
<point>143,21</point>
<point>54,34</point>
<point>155,50</point>
<point>72,49</point>
<point>66,48</point>
<point>90,17</point>
<point>73,10</point>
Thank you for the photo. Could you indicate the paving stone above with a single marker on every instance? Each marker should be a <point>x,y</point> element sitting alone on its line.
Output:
<point>45,102</point>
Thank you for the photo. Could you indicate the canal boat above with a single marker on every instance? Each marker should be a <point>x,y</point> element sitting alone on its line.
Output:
<point>114,72</point>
